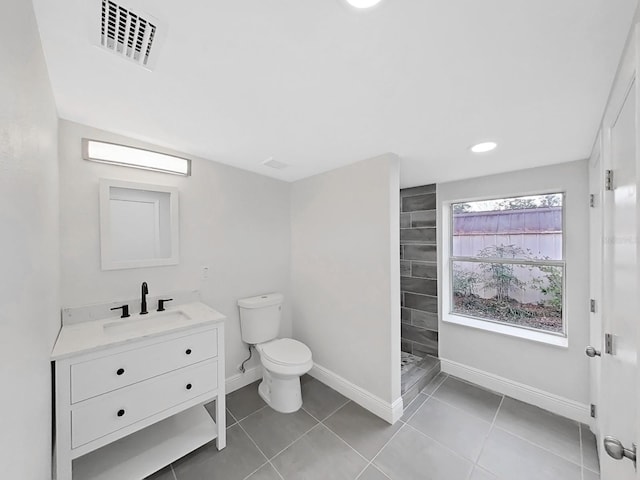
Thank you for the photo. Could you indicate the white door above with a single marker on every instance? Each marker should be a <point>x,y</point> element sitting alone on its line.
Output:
<point>620,314</point>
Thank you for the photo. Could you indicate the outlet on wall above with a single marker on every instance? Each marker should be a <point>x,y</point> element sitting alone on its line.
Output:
<point>204,273</point>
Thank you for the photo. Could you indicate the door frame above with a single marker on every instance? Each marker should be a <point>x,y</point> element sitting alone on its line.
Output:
<point>596,223</point>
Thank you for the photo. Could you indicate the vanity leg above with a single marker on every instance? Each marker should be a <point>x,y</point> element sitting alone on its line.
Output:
<point>62,461</point>
<point>221,412</point>
<point>62,466</point>
<point>221,421</point>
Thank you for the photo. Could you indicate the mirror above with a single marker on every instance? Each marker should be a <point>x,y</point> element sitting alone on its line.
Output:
<point>138,225</point>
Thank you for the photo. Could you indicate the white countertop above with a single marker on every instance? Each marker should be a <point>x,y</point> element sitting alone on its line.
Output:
<point>84,337</point>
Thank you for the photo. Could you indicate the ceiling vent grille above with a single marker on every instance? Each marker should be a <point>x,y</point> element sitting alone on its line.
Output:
<point>270,162</point>
<point>127,33</point>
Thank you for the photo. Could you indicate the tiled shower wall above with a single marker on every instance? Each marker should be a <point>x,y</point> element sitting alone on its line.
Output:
<point>418,270</point>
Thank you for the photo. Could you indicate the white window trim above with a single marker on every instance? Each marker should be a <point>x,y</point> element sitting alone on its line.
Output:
<point>504,329</point>
<point>559,340</point>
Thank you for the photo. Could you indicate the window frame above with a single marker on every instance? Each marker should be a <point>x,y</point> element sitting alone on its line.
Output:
<point>494,325</point>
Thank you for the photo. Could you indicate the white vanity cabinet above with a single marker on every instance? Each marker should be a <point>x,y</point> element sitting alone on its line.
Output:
<point>128,404</point>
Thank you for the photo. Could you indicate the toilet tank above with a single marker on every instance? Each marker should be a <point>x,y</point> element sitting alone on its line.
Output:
<point>260,317</point>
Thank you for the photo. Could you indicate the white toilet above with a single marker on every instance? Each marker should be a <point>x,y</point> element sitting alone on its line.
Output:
<point>284,360</point>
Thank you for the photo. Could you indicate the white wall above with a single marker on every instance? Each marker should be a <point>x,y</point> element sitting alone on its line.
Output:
<point>235,222</point>
<point>555,370</point>
<point>346,272</point>
<point>29,300</point>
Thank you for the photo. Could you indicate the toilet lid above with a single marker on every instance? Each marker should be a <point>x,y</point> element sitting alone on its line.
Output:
<point>287,351</point>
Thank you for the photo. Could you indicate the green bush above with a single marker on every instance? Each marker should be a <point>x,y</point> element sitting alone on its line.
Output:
<point>464,281</point>
<point>552,288</point>
<point>500,276</point>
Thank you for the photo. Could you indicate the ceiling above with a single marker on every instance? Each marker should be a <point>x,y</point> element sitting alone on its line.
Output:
<point>317,84</point>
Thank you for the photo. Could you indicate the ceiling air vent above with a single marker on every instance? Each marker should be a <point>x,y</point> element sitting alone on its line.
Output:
<point>127,33</point>
<point>270,162</point>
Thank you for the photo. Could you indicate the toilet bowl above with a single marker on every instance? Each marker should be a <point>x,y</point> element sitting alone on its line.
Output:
<point>283,361</point>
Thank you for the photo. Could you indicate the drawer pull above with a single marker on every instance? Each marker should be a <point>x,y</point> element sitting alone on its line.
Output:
<point>188,351</point>
<point>121,412</point>
<point>189,386</point>
<point>120,371</point>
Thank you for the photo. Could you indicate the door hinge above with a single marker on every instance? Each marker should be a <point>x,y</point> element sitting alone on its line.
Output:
<point>592,305</point>
<point>593,410</point>
<point>592,200</point>
<point>608,179</point>
<point>608,343</point>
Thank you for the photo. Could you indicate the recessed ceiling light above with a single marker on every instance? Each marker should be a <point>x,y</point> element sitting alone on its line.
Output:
<point>484,147</point>
<point>363,3</point>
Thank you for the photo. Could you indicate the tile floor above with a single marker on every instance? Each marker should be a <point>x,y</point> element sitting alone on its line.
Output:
<point>451,431</point>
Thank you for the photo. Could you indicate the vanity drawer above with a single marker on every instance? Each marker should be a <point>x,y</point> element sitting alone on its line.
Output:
<point>108,413</point>
<point>105,374</point>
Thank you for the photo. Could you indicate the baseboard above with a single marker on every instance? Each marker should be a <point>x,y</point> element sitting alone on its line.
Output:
<point>240,380</point>
<point>390,412</point>
<point>548,401</point>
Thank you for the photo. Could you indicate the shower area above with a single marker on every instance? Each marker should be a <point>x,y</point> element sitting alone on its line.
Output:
<point>419,289</point>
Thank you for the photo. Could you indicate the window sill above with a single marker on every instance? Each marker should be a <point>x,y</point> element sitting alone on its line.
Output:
<point>531,335</point>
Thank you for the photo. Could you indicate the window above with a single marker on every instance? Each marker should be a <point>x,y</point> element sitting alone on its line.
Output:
<point>507,261</point>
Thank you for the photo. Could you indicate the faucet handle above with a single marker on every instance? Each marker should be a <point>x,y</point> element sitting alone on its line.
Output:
<point>125,311</point>
<point>161,303</point>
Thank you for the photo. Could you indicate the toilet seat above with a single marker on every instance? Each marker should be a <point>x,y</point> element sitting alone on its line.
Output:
<point>285,356</point>
<point>287,351</point>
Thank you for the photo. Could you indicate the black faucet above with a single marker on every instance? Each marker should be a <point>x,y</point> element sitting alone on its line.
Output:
<point>125,310</point>
<point>143,304</point>
<point>161,303</point>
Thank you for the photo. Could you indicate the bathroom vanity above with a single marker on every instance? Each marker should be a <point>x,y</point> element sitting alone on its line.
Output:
<point>129,392</point>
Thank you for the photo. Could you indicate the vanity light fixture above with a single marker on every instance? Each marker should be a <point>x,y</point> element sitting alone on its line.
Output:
<point>484,147</point>
<point>363,3</point>
<point>104,152</point>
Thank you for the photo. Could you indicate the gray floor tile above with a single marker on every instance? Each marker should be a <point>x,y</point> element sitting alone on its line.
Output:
<point>454,428</point>
<point>589,475</point>
<point>589,450</point>
<point>235,462</point>
<point>470,398</point>
<point>410,455</point>
<point>361,429</point>
<point>164,474</point>
<point>510,457</point>
<point>211,408</point>
<point>273,431</point>
<point>266,472</point>
<point>319,455</point>
<point>410,395</point>
<point>555,433</point>
<point>413,407</point>
<point>245,401</point>
<point>231,420</point>
<point>435,383</point>
<point>444,434</point>
<point>372,473</point>
<point>480,474</point>
<point>318,399</point>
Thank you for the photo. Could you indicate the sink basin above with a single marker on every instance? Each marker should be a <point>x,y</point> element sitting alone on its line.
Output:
<point>147,323</point>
